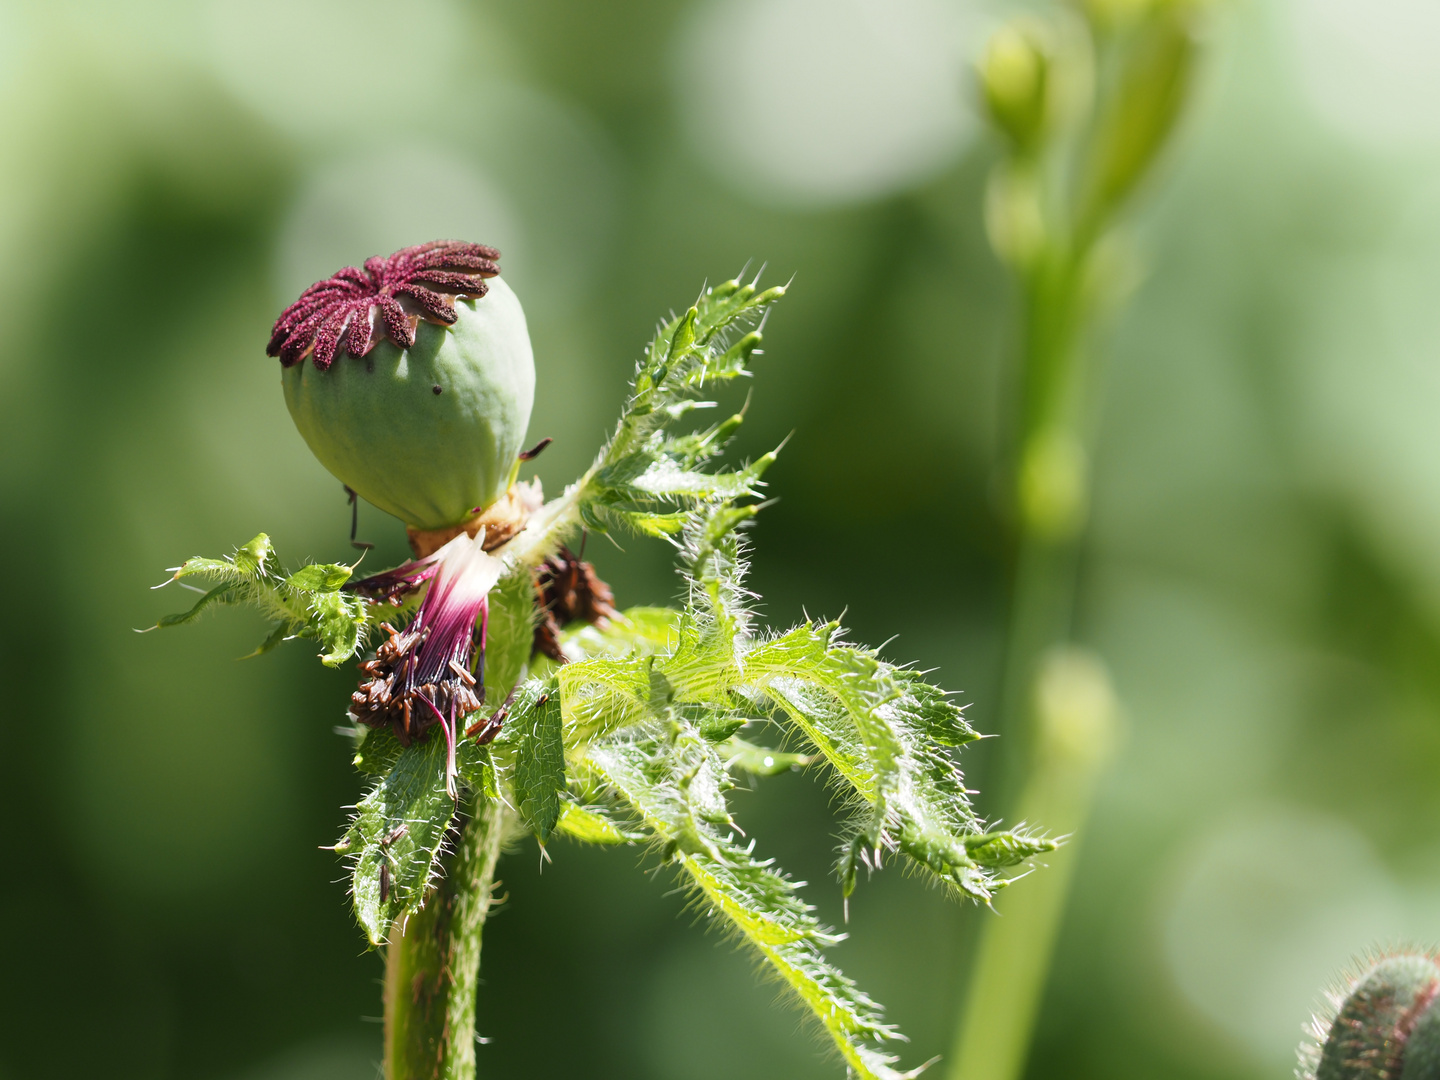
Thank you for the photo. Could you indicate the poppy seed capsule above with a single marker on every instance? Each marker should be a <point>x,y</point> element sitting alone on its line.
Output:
<point>421,381</point>
<point>1387,1026</point>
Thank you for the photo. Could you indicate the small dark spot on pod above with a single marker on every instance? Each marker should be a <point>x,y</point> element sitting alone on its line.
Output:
<point>436,389</point>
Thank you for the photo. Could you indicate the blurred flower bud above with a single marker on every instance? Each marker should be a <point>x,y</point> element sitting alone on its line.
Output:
<point>1076,707</point>
<point>420,381</point>
<point>1014,217</point>
<point>1015,73</point>
<point>1108,16</point>
<point>1112,271</point>
<point>1054,478</point>
<point>1151,87</point>
<point>1113,14</point>
<point>1386,1025</point>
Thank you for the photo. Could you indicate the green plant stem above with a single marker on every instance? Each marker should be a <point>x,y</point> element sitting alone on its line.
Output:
<point>433,961</point>
<point>1140,100</point>
<point>1007,978</point>
<point>1054,319</point>
<point>1008,973</point>
<point>1052,405</point>
<point>1043,600</point>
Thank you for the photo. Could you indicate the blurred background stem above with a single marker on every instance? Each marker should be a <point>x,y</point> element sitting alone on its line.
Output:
<point>1076,715</point>
<point>433,961</point>
<point>1084,106</point>
<point>1050,496</point>
<point>1057,710</point>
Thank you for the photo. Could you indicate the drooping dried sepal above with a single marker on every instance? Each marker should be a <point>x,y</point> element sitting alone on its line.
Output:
<point>1386,1024</point>
<point>414,283</point>
<point>568,590</point>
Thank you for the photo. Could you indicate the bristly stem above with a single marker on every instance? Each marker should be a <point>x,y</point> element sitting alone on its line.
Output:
<point>433,961</point>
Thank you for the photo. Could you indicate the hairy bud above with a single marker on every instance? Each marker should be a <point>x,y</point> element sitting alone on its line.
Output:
<point>1386,1025</point>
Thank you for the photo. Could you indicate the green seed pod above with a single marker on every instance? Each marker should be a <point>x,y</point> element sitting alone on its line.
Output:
<point>426,415</point>
<point>1386,1027</point>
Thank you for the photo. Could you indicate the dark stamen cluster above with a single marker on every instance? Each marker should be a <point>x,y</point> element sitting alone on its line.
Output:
<point>391,696</point>
<point>569,590</point>
<point>415,283</point>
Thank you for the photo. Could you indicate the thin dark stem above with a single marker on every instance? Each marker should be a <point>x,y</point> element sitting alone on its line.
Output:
<point>358,545</point>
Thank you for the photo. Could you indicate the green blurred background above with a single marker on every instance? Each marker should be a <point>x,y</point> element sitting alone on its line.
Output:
<point>1263,572</point>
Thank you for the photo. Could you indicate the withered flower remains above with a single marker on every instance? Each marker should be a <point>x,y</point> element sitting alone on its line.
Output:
<point>568,590</point>
<point>426,674</point>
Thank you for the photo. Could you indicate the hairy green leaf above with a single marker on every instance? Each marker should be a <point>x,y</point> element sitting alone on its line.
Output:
<point>749,895</point>
<point>318,577</point>
<point>395,836</point>
<point>884,731</point>
<point>307,604</point>
<point>539,755</point>
<point>509,636</point>
<point>760,760</point>
<point>646,479</point>
<point>641,630</point>
<point>228,593</point>
<point>1004,849</point>
<point>376,750</point>
<point>593,825</point>
<point>252,557</point>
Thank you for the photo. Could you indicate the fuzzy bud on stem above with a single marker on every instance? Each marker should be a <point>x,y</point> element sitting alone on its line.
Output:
<point>1015,74</point>
<point>1386,1026</point>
